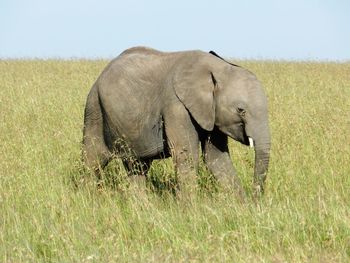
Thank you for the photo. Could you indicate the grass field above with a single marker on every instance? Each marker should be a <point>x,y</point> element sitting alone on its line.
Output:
<point>303,217</point>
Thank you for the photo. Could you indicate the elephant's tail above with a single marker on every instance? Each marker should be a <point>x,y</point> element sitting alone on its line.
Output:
<point>93,112</point>
<point>95,151</point>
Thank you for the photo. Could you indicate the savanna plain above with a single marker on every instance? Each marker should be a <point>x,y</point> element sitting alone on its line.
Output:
<point>51,210</point>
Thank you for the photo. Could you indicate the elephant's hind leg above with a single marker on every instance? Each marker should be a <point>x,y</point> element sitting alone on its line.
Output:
<point>96,154</point>
<point>137,172</point>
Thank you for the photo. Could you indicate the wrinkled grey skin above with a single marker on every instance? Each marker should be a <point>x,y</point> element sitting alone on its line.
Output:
<point>167,104</point>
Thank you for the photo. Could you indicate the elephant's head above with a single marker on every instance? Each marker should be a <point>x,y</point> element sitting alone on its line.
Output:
<point>222,94</point>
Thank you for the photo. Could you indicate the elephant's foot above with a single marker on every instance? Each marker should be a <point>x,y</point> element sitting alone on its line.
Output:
<point>187,185</point>
<point>232,184</point>
<point>138,185</point>
<point>258,191</point>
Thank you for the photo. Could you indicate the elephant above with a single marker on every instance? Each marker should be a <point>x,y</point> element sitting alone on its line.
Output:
<point>180,105</point>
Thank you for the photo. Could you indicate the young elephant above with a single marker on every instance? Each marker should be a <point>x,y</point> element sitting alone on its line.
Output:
<point>158,104</point>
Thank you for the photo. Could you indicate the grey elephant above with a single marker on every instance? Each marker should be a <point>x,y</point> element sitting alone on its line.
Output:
<point>176,104</point>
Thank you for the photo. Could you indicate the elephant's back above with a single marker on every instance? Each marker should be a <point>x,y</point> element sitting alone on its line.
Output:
<point>130,91</point>
<point>132,84</point>
<point>141,50</point>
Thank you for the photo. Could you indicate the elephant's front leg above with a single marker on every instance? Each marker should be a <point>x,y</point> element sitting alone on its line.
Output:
<point>184,146</point>
<point>217,158</point>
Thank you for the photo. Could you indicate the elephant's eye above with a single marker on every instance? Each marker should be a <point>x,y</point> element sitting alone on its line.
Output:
<point>241,111</point>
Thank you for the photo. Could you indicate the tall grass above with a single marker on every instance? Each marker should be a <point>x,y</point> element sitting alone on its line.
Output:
<point>303,217</point>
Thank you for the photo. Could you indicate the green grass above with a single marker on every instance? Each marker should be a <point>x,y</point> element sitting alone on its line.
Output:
<point>303,217</point>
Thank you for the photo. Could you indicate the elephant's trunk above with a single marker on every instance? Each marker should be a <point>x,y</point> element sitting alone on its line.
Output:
<point>262,145</point>
<point>262,156</point>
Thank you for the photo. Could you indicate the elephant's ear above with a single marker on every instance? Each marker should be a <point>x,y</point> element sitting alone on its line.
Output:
<point>194,86</point>
<point>216,55</point>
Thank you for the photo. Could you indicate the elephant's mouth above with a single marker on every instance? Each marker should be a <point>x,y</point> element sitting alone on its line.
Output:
<point>246,139</point>
<point>238,133</point>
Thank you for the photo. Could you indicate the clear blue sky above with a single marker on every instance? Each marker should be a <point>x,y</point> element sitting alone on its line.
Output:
<point>260,29</point>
